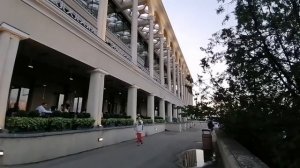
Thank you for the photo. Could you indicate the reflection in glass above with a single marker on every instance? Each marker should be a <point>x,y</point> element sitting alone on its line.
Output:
<point>13,97</point>
<point>23,98</point>
<point>77,104</point>
<point>60,100</point>
<point>18,98</point>
<point>91,6</point>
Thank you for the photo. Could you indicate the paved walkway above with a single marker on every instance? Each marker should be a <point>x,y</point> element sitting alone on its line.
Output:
<point>158,151</point>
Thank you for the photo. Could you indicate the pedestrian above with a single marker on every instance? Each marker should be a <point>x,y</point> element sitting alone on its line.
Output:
<point>42,109</point>
<point>210,125</point>
<point>139,127</point>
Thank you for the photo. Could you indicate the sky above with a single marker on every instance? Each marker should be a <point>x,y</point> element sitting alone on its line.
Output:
<point>194,22</point>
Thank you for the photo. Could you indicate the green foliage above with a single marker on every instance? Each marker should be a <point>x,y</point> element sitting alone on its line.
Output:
<point>260,104</point>
<point>159,120</point>
<point>39,124</point>
<point>115,122</point>
<point>82,123</point>
<point>199,111</point>
<point>147,121</point>
<point>25,124</point>
<point>110,115</point>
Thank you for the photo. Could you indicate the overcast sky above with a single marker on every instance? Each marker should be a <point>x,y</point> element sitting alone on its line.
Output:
<point>193,21</point>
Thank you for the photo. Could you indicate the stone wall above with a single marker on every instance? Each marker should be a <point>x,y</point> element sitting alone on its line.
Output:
<point>235,155</point>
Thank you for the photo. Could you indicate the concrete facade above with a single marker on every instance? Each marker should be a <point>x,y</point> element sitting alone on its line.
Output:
<point>80,57</point>
<point>85,43</point>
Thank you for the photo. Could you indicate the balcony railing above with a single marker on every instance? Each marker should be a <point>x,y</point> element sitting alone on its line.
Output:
<point>156,77</point>
<point>141,65</point>
<point>117,45</point>
<point>111,39</point>
<point>74,15</point>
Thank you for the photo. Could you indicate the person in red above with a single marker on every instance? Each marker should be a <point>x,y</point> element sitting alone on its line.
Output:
<point>139,127</point>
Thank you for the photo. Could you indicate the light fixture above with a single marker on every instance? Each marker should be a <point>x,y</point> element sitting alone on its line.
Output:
<point>30,64</point>
<point>1,153</point>
<point>100,139</point>
<point>71,77</point>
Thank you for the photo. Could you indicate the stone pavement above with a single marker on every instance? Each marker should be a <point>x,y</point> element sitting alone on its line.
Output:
<point>158,151</point>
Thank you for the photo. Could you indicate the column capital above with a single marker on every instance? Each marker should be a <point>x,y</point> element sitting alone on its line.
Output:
<point>134,86</point>
<point>98,70</point>
<point>151,94</point>
<point>8,28</point>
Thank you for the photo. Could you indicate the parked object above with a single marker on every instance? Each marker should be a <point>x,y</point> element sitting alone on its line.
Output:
<point>206,139</point>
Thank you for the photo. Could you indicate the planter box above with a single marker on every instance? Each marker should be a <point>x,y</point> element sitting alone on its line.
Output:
<point>29,148</point>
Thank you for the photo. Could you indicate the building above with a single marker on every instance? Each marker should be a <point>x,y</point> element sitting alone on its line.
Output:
<point>123,59</point>
<point>107,56</point>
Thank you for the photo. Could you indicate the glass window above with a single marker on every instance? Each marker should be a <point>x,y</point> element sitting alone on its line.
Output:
<point>60,100</point>
<point>23,98</point>
<point>13,97</point>
<point>77,104</point>
<point>18,98</point>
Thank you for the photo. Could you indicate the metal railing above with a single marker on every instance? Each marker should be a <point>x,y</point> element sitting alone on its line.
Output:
<point>74,15</point>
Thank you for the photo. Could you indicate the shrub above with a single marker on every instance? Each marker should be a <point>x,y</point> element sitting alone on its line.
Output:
<point>109,115</point>
<point>82,123</point>
<point>159,120</point>
<point>147,121</point>
<point>113,122</point>
<point>20,113</point>
<point>83,115</point>
<point>59,124</point>
<point>33,113</point>
<point>39,124</point>
<point>157,117</point>
<point>25,124</point>
<point>145,117</point>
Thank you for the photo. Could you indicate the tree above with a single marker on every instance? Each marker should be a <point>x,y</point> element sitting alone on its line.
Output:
<point>261,105</point>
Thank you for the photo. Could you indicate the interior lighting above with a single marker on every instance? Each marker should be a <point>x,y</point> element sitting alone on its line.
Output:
<point>100,139</point>
<point>30,64</point>
<point>71,77</point>
<point>1,153</point>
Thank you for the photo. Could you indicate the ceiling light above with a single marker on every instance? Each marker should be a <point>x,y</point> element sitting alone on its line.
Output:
<point>30,64</point>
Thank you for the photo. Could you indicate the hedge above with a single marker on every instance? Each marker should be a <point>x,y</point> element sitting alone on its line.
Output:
<point>39,124</point>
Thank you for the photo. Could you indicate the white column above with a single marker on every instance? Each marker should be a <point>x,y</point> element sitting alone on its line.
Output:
<point>174,112</point>
<point>183,86</point>
<point>150,106</point>
<point>179,114</point>
<point>95,95</point>
<point>161,60</point>
<point>132,102</point>
<point>134,31</point>
<point>9,43</point>
<point>170,112</point>
<point>178,80</point>
<point>150,45</point>
<point>162,108</point>
<point>169,69</point>
<point>101,19</point>
<point>174,75</point>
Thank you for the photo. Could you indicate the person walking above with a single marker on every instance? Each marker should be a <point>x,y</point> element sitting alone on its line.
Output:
<point>139,127</point>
